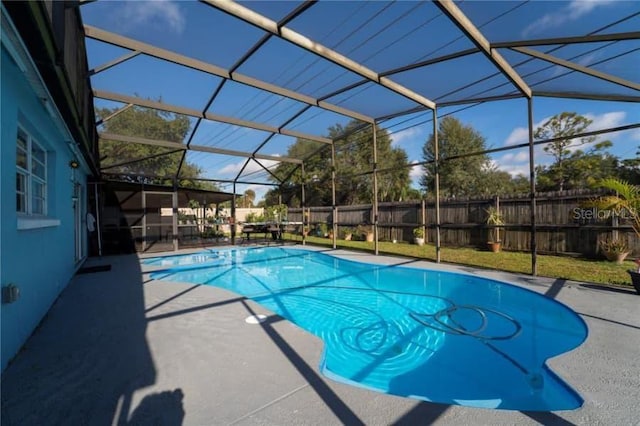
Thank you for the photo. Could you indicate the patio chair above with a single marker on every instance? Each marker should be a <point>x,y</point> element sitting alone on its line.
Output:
<point>246,233</point>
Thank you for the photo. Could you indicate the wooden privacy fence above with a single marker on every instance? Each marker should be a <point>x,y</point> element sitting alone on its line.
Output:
<point>563,224</point>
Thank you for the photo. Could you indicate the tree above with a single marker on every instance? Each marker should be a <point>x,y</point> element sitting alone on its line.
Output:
<point>144,160</point>
<point>625,201</point>
<point>564,127</point>
<point>499,182</point>
<point>461,176</point>
<point>579,169</point>
<point>354,163</point>
<point>629,169</point>
<point>247,198</point>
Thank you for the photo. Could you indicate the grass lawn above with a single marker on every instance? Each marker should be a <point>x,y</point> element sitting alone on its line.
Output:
<point>575,269</point>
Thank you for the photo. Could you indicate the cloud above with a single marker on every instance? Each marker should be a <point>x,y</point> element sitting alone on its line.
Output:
<point>407,134</point>
<point>521,134</point>
<point>606,120</point>
<point>515,169</point>
<point>517,158</point>
<point>416,172</point>
<point>252,167</point>
<point>599,121</point>
<point>158,13</point>
<point>572,12</point>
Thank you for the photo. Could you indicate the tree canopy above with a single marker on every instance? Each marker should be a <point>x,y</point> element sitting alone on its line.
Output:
<point>139,159</point>
<point>563,128</point>
<point>471,175</point>
<point>353,169</point>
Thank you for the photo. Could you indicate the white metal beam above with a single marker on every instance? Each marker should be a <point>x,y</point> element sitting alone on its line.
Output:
<point>167,55</point>
<point>452,11</point>
<point>114,62</point>
<point>587,96</point>
<point>147,103</point>
<point>260,21</point>
<point>593,38</point>
<point>199,148</point>
<point>577,67</point>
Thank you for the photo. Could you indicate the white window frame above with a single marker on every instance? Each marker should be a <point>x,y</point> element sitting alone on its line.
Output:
<point>31,177</point>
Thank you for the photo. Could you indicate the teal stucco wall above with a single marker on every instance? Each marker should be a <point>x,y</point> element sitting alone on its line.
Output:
<point>41,261</point>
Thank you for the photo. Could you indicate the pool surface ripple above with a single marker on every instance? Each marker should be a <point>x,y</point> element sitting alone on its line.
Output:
<point>431,335</point>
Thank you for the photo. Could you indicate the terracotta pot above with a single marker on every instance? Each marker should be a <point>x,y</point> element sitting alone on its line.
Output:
<point>616,257</point>
<point>494,247</point>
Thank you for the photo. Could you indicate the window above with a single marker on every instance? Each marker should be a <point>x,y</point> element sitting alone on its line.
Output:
<point>31,176</point>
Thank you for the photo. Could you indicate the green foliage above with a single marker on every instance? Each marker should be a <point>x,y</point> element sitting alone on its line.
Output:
<point>353,155</point>
<point>563,267</point>
<point>418,232</point>
<point>346,231</point>
<point>625,201</point>
<point>467,176</point>
<point>578,170</point>
<point>247,199</point>
<point>629,169</point>
<point>277,213</point>
<point>321,229</point>
<point>254,217</point>
<point>147,159</point>
<point>614,245</point>
<point>495,219</point>
<point>563,127</point>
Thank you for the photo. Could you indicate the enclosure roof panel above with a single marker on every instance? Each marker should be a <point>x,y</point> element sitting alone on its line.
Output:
<point>182,27</point>
<point>382,35</point>
<point>521,20</point>
<point>249,79</point>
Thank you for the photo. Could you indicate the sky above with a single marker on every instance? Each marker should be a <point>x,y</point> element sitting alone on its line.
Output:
<point>382,36</point>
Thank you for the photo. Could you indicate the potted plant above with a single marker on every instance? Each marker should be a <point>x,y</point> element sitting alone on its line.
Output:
<point>367,232</point>
<point>346,233</point>
<point>495,220</point>
<point>615,250</point>
<point>626,200</point>
<point>418,235</point>
<point>321,229</point>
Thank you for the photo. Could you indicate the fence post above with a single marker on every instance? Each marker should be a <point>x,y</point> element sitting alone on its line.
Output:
<point>423,205</point>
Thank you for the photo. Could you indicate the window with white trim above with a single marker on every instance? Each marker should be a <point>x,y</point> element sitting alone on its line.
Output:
<point>31,175</point>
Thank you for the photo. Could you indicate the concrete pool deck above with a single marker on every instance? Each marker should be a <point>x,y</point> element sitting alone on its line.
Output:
<point>119,348</point>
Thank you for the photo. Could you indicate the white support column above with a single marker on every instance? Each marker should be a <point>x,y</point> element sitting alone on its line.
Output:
<point>303,205</point>
<point>174,220</point>
<point>234,219</point>
<point>333,195</point>
<point>436,152</point>
<point>532,189</point>
<point>144,221</point>
<point>375,188</point>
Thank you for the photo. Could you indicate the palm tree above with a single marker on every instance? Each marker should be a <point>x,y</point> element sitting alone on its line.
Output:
<point>625,200</point>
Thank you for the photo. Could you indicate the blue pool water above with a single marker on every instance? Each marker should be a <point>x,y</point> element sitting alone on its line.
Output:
<point>431,335</point>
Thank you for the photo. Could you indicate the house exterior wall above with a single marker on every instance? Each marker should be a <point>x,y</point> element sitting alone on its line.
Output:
<point>39,261</point>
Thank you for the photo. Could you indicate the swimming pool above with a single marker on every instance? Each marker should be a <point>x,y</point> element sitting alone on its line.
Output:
<point>431,335</point>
